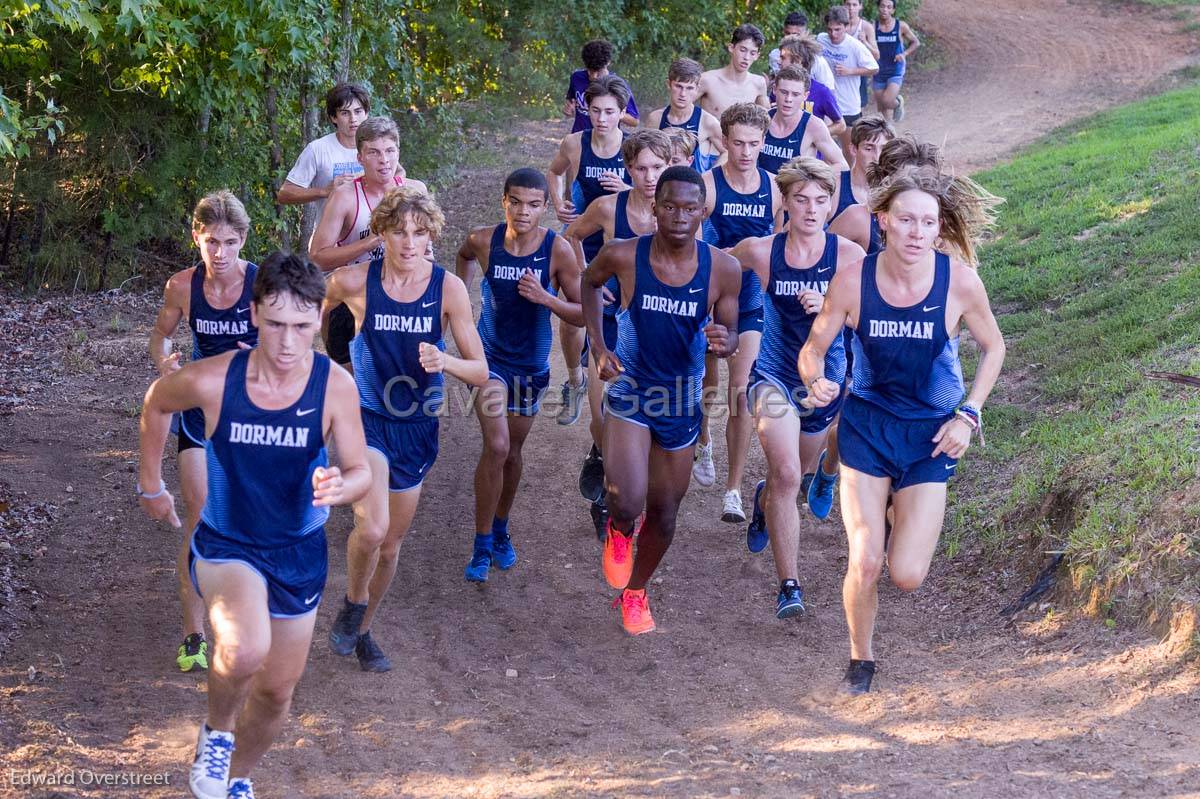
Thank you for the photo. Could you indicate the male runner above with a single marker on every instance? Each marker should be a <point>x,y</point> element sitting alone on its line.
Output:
<point>896,42</point>
<point>851,61</point>
<point>402,305</point>
<point>795,269</point>
<point>591,158</point>
<point>683,81</point>
<point>683,147</point>
<point>669,284</point>
<point>804,52</point>
<point>905,424</point>
<point>343,236</point>
<point>734,82</point>
<point>525,266</point>
<point>741,202</point>
<point>867,138</point>
<point>629,214</point>
<point>597,56</point>
<point>258,553</point>
<point>793,131</point>
<point>861,29</point>
<point>794,24</point>
<point>215,299</point>
<point>332,160</point>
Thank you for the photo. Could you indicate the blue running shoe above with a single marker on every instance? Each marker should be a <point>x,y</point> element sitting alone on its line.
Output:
<point>791,600</point>
<point>756,533</point>
<point>820,491</point>
<point>503,554</point>
<point>240,789</point>
<point>481,560</point>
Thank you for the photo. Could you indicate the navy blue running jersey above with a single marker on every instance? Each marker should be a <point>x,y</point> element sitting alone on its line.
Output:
<point>217,330</point>
<point>786,324</point>
<point>591,167</point>
<point>515,331</point>
<point>738,216</point>
<point>777,151</point>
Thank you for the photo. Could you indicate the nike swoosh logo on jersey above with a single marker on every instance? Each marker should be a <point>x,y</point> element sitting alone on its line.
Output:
<point>927,309</point>
<point>312,598</point>
<point>826,269</point>
<point>304,413</point>
<point>951,466</point>
<point>693,291</point>
<point>243,310</point>
<point>428,304</point>
<point>761,196</point>
<point>539,259</point>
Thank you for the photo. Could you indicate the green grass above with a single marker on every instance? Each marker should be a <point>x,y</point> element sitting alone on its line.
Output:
<point>1096,264</point>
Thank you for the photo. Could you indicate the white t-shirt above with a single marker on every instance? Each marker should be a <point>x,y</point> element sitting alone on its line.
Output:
<point>853,54</point>
<point>323,160</point>
<point>821,72</point>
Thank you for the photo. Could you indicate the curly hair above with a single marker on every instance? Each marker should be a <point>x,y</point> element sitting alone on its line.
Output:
<point>406,201</point>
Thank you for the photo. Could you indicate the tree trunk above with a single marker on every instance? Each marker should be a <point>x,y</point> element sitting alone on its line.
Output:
<point>311,109</point>
<point>343,68</point>
<point>270,103</point>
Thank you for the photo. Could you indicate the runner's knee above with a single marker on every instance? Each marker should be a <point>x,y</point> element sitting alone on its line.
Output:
<point>239,659</point>
<point>784,479</point>
<point>907,576</point>
<point>865,567</point>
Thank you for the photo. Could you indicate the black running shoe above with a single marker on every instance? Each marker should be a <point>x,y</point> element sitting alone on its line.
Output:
<point>591,476</point>
<point>600,518</point>
<point>858,677</point>
<point>370,656</point>
<point>343,635</point>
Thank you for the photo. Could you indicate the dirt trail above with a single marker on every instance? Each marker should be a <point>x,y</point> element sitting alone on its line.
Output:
<point>723,700</point>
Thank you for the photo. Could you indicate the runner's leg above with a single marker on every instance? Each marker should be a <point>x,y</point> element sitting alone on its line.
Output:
<point>193,480</point>
<point>920,511</point>
<point>864,498</point>
<point>402,507</point>
<point>669,474</point>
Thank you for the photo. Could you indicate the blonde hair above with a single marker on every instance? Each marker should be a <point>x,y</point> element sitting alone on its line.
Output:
<point>803,170</point>
<point>405,201</point>
<point>966,210</point>
<point>221,208</point>
<point>900,152</point>
<point>682,140</point>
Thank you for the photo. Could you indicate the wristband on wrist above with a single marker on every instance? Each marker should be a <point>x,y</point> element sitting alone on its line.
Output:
<point>143,495</point>
<point>971,416</point>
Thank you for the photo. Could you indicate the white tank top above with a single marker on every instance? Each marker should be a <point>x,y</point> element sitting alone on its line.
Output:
<point>362,222</point>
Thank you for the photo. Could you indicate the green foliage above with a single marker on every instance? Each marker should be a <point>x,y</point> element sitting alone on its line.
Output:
<point>1097,265</point>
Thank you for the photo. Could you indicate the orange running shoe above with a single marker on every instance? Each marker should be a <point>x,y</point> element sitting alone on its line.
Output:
<point>618,556</point>
<point>635,611</point>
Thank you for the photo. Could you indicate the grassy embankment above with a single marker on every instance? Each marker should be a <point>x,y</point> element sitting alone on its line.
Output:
<point>1096,269</point>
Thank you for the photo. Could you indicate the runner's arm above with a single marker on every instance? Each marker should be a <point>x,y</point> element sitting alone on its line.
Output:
<point>292,194</point>
<point>324,250</point>
<point>565,273</point>
<point>827,147</point>
<point>350,480</point>
<point>835,312</point>
<point>911,42</point>
<point>471,365</point>
<point>712,128</point>
<point>175,294</point>
<point>466,260</point>
<point>981,322</point>
<point>343,286</point>
<point>727,275</point>
<point>763,98</point>
<point>564,163</point>
<point>604,266</point>
<point>748,253</point>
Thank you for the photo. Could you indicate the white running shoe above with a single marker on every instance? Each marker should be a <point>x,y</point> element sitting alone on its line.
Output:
<point>572,402</point>
<point>209,778</point>
<point>733,508</point>
<point>898,114</point>
<point>703,468</point>
<point>240,789</point>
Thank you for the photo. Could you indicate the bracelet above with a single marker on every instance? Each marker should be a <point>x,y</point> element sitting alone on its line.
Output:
<point>143,495</point>
<point>973,418</point>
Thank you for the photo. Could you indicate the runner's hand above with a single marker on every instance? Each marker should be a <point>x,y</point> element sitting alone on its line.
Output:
<point>327,486</point>
<point>433,360</point>
<point>169,364</point>
<point>607,295</point>
<point>340,180</point>
<point>161,508</point>
<point>899,57</point>
<point>607,365</point>
<point>821,393</point>
<point>566,212</point>
<point>842,70</point>
<point>718,338</point>
<point>531,289</point>
<point>952,439</point>
<point>811,301</point>
<point>611,182</point>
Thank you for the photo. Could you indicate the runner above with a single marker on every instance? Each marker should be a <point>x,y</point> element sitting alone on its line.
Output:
<point>851,215</point>
<point>905,424</point>
<point>683,81</point>
<point>525,266</point>
<point>258,553</point>
<point>794,24</point>
<point>855,220</point>
<point>215,299</point>
<point>793,131</point>
<point>597,56</point>
<point>861,29</point>
<point>734,82</point>
<point>896,43</point>
<point>669,284</point>
<point>795,269</point>
<point>330,161</point>
<point>592,158</point>
<point>742,202</point>
<point>343,236</point>
<point>402,305</point>
<point>851,61</point>
<point>627,215</point>
<point>683,147</point>
<point>804,52</point>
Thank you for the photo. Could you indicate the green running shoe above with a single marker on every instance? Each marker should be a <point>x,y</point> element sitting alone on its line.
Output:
<point>193,653</point>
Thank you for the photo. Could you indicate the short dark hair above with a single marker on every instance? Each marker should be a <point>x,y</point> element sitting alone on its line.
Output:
<point>608,85</point>
<point>747,31</point>
<point>679,174</point>
<point>839,15</point>
<point>288,273</point>
<point>596,55</point>
<point>795,18</point>
<point>342,95</point>
<point>527,178</point>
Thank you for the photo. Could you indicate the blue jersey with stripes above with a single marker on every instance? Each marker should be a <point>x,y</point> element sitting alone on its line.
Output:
<point>591,167</point>
<point>217,330</point>
<point>515,331</point>
<point>621,230</point>
<point>386,352</point>
<point>904,359</point>
<point>738,216</point>
<point>778,150</point>
<point>786,324</point>
<point>701,162</point>
<point>660,339</point>
<point>261,462</point>
<point>890,44</point>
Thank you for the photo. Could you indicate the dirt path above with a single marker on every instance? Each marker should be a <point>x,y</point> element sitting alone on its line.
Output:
<point>723,700</point>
